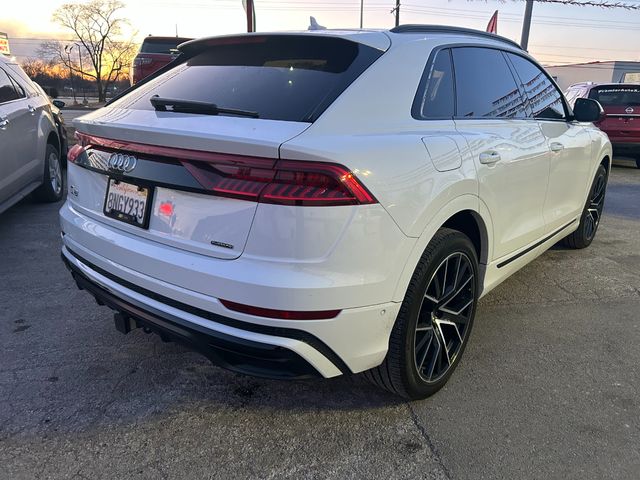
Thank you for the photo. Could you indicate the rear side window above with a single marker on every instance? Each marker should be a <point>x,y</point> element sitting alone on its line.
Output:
<point>485,87</point>
<point>545,100</point>
<point>7,88</point>
<point>435,98</point>
<point>161,45</point>
<point>573,94</point>
<point>280,77</point>
<point>616,96</point>
<point>19,90</point>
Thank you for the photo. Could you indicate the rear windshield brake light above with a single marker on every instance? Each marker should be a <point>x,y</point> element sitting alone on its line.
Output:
<point>263,180</point>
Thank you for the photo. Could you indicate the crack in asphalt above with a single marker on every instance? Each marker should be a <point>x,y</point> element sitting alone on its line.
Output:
<point>425,435</point>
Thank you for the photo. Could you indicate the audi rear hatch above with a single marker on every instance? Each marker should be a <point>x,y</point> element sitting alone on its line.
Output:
<point>185,158</point>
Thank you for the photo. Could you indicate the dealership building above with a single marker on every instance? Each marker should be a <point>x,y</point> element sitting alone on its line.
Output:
<point>597,72</point>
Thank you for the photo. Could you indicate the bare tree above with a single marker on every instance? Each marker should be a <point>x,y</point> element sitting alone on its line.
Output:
<point>33,67</point>
<point>101,52</point>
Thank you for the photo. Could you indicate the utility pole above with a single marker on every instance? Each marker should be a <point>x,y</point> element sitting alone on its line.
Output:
<point>68,48</point>
<point>361,11</point>
<point>84,92</point>
<point>397,9</point>
<point>526,25</point>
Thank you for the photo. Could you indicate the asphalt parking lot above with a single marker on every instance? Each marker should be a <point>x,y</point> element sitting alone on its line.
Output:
<point>549,386</point>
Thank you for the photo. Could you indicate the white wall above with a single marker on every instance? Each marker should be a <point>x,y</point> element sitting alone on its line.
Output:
<point>569,74</point>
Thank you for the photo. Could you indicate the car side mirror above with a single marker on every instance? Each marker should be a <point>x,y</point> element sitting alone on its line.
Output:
<point>587,110</point>
<point>58,103</point>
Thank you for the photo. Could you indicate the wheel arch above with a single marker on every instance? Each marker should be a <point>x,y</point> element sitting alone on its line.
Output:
<point>465,214</point>
<point>471,224</point>
<point>52,139</point>
<point>606,163</point>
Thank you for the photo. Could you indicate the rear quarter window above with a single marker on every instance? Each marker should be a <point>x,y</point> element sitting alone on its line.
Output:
<point>435,97</point>
<point>291,78</point>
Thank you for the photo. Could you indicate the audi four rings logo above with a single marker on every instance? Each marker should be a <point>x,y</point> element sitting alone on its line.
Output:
<point>122,163</point>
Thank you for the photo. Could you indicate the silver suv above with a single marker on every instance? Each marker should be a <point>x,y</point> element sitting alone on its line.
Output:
<point>30,158</point>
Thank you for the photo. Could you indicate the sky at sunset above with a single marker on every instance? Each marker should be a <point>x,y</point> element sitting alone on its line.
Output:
<point>559,34</point>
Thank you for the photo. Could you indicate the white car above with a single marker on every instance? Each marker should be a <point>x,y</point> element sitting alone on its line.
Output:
<point>329,202</point>
<point>31,144</point>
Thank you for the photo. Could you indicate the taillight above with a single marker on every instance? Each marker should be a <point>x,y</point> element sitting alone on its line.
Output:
<point>280,314</point>
<point>264,180</point>
<point>74,152</point>
<point>285,183</point>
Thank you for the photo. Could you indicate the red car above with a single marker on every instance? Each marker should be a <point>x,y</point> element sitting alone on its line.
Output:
<point>155,53</point>
<point>621,103</point>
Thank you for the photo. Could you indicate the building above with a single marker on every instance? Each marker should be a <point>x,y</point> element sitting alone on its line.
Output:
<point>598,72</point>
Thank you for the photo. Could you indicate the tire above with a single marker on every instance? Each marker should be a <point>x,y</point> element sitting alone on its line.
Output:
<point>591,214</point>
<point>52,187</point>
<point>415,338</point>
<point>638,162</point>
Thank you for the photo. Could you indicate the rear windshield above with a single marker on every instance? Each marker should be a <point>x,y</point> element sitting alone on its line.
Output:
<point>616,96</point>
<point>161,45</point>
<point>280,77</point>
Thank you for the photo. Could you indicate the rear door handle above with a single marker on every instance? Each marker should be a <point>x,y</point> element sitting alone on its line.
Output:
<point>32,110</point>
<point>556,147</point>
<point>3,123</point>
<point>489,157</point>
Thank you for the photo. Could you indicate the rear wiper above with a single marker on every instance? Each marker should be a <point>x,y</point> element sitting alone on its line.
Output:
<point>191,106</point>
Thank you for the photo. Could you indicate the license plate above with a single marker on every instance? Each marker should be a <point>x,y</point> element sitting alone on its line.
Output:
<point>127,202</point>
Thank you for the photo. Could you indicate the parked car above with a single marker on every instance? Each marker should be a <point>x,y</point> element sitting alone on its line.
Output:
<point>621,103</point>
<point>155,53</point>
<point>30,142</point>
<point>321,203</point>
<point>56,106</point>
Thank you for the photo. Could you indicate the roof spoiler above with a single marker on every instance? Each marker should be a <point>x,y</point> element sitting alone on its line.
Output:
<point>418,28</point>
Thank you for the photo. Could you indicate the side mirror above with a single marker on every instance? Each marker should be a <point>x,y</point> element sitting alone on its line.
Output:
<point>588,110</point>
<point>58,103</point>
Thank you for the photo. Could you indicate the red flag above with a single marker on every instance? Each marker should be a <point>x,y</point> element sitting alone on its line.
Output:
<point>492,26</point>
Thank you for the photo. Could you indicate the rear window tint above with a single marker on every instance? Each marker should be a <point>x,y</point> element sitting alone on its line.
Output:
<point>281,77</point>
<point>435,98</point>
<point>616,96</point>
<point>161,45</point>
<point>7,90</point>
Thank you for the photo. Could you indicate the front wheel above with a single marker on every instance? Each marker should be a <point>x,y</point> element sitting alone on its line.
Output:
<point>51,189</point>
<point>435,320</point>
<point>591,214</point>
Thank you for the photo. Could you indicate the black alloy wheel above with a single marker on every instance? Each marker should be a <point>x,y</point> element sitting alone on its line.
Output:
<point>595,206</point>
<point>435,320</point>
<point>591,214</point>
<point>443,318</point>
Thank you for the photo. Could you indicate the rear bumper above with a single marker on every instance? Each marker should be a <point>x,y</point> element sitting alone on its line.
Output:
<point>625,148</point>
<point>231,352</point>
<point>354,341</point>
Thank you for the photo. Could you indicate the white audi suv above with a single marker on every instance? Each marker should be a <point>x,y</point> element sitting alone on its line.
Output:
<point>329,202</point>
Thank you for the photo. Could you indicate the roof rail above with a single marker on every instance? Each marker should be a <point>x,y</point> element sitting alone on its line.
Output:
<point>418,28</point>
